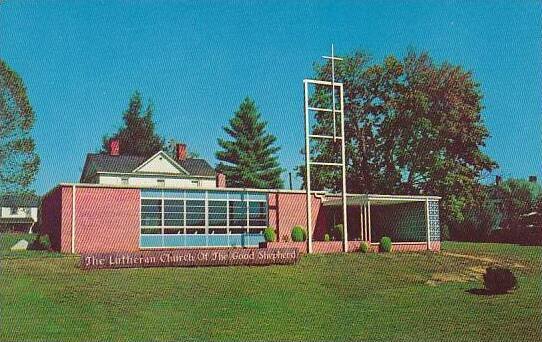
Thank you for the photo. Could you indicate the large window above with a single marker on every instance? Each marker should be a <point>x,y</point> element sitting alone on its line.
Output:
<point>177,218</point>
<point>151,216</point>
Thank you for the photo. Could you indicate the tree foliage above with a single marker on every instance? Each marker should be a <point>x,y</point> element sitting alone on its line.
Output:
<point>412,127</point>
<point>137,136</point>
<point>19,162</point>
<point>249,158</point>
<point>171,149</point>
<point>517,197</point>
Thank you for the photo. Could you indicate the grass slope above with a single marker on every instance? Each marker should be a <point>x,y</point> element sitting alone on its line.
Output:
<point>387,297</point>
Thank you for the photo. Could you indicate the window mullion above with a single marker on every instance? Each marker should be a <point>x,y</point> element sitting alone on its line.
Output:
<point>227,213</point>
<point>248,213</point>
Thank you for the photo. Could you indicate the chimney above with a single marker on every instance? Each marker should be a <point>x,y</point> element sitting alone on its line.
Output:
<point>220,180</point>
<point>498,180</point>
<point>532,179</point>
<point>180,151</point>
<point>114,147</point>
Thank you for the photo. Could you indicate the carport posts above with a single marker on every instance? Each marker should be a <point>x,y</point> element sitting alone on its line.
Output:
<point>365,220</point>
<point>427,224</point>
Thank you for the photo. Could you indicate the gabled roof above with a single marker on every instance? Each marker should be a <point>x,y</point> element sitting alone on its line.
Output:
<point>172,164</point>
<point>103,162</point>
<point>19,200</point>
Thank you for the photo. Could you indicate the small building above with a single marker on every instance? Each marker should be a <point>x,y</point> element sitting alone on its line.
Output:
<point>18,212</point>
<point>160,170</point>
<point>128,204</point>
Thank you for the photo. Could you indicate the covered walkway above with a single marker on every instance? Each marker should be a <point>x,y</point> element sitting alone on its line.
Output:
<point>412,222</point>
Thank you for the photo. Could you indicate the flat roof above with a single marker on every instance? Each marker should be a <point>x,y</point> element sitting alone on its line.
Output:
<point>334,200</point>
<point>362,199</point>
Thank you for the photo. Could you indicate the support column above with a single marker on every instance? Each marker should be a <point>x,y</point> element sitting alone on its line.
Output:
<point>365,221</point>
<point>362,228</point>
<point>427,224</point>
<point>369,217</point>
<point>73,221</point>
<point>308,170</point>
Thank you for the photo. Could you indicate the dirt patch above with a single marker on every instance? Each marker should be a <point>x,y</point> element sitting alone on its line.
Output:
<point>453,277</point>
<point>473,273</point>
<point>471,257</point>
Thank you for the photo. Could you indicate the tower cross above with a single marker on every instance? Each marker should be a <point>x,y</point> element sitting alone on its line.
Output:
<point>333,59</point>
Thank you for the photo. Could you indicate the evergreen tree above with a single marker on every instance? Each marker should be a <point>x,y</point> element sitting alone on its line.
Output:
<point>18,160</point>
<point>137,137</point>
<point>249,160</point>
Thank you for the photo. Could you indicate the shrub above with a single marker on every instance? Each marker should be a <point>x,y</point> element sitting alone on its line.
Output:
<point>327,238</point>
<point>385,244</point>
<point>298,234</point>
<point>269,234</point>
<point>40,243</point>
<point>339,231</point>
<point>499,280</point>
<point>364,247</point>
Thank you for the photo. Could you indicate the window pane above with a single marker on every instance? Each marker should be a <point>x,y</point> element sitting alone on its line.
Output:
<point>151,231</point>
<point>195,231</point>
<point>176,216</point>
<point>217,231</point>
<point>195,213</point>
<point>173,223</point>
<point>238,213</point>
<point>173,205</point>
<point>256,223</point>
<point>238,230</point>
<point>173,231</point>
<point>218,213</point>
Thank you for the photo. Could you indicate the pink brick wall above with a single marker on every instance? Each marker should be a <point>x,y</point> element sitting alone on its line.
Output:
<point>106,220</point>
<point>287,210</point>
<point>50,216</point>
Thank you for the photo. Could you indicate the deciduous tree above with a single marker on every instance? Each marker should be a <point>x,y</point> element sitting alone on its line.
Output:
<point>19,161</point>
<point>412,127</point>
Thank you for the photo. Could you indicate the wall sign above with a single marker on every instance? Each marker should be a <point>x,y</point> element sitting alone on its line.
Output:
<point>191,258</point>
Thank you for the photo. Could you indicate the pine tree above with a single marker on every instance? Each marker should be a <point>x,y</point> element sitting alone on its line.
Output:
<point>249,160</point>
<point>19,162</point>
<point>137,137</point>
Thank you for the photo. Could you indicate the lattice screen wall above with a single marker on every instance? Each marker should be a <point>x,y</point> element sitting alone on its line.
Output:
<point>434,221</point>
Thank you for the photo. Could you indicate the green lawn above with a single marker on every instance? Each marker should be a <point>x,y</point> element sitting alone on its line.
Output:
<point>388,297</point>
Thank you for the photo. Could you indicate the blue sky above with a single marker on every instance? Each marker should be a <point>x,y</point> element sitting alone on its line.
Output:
<point>81,61</point>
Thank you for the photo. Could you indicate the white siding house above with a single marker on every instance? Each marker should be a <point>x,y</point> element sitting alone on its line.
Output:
<point>160,170</point>
<point>18,212</point>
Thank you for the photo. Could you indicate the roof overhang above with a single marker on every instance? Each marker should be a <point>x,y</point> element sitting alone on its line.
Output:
<point>375,199</point>
<point>159,175</point>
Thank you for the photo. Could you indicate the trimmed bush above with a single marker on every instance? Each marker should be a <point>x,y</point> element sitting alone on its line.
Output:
<point>364,247</point>
<point>40,243</point>
<point>327,238</point>
<point>298,234</point>
<point>339,231</point>
<point>385,244</point>
<point>269,234</point>
<point>498,280</point>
